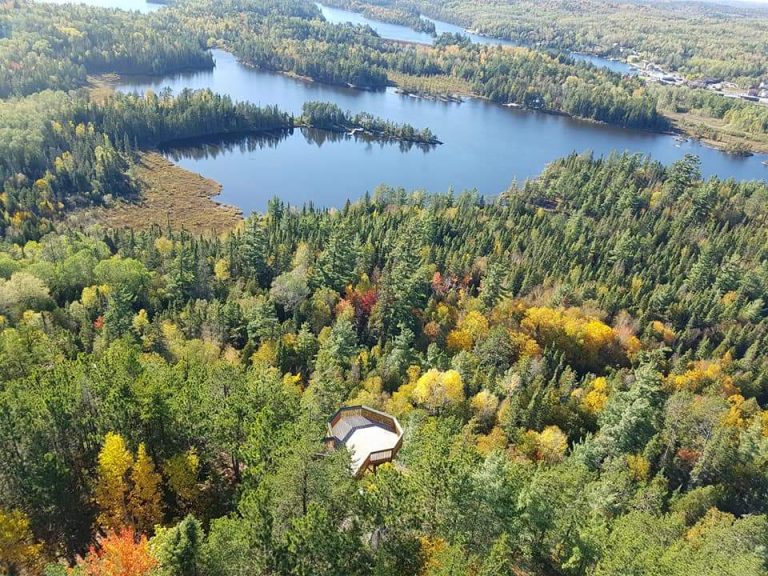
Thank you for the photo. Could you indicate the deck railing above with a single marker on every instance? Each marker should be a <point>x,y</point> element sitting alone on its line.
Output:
<point>374,459</point>
<point>386,421</point>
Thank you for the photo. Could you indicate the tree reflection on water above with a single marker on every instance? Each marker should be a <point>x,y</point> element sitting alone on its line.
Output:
<point>199,149</point>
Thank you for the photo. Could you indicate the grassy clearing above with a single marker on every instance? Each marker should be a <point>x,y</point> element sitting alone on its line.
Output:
<point>171,196</point>
<point>102,87</point>
<point>716,133</point>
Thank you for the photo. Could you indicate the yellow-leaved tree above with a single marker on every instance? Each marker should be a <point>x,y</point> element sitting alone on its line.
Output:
<point>597,396</point>
<point>182,471</point>
<point>587,342</point>
<point>552,444</point>
<point>145,504</point>
<point>18,549</point>
<point>127,491</point>
<point>484,405</point>
<point>112,482</point>
<point>437,390</point>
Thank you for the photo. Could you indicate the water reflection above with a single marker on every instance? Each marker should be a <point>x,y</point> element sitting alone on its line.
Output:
<point>199,149</point>
<point>212,148</point>
<point>486,146</point>
<point>320,137</point>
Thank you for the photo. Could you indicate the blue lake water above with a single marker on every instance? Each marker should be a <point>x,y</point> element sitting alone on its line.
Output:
<point>486,146</point>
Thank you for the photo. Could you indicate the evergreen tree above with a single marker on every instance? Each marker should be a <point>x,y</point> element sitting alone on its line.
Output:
<point>180,549</point>
<point>336,263</point>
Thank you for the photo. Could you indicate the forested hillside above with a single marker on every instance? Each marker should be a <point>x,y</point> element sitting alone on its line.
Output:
<point>698,38</point>
<point>53,47</point>
<point>580,364</point>
<point>392,12</point>
<point>337,54</point>
<point>576,362</point>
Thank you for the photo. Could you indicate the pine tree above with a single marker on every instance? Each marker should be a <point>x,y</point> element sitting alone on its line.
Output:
<point>119,314</point>
<point>179,550</point>
<point>492,286</point>
<point>336,264</point>
<point>403,286</point>
<point>329,387</point>
<point>253,252</point>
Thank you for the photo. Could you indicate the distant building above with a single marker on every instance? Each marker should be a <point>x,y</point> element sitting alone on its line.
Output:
<point>372,437</point>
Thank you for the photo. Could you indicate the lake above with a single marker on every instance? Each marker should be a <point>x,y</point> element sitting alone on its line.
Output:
<point>486,146</point>
<point>405,34</point>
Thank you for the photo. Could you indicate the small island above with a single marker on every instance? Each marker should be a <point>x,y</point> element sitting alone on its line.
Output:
<point>328,116</point>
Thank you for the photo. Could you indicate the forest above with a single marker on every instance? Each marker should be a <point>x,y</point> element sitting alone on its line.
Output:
<point>724,40</point>
<point>45,46</point>
<point>697,112</point>
<point>393,12</point>
<point>330,117</point>
<point>291,37</point>
<point>355,56</point>
<point>56,47</point>
<point>573,363</point>
<point>580,364</point>
<point>60,151</point>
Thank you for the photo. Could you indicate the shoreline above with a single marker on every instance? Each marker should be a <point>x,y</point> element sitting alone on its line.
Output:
<point>753,147</point>
<point>171,196</point>
<point>722,141</point>
<point>109,81</point>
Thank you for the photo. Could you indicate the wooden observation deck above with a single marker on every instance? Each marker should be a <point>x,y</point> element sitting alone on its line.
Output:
<point>372,437</point>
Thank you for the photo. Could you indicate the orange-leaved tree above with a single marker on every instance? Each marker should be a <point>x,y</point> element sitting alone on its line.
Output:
<point>119,554</point>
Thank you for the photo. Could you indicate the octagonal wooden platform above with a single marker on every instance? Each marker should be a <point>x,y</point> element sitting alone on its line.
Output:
<point>372,437</point>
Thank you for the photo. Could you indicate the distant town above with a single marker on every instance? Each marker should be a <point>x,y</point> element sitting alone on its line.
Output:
<point>655,73</point>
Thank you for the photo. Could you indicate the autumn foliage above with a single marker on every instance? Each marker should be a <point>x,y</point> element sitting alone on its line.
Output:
<point>119,553</point>
<point>127,490</point>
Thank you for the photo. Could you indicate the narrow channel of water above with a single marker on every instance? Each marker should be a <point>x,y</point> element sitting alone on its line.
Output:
<point>405,34</point>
